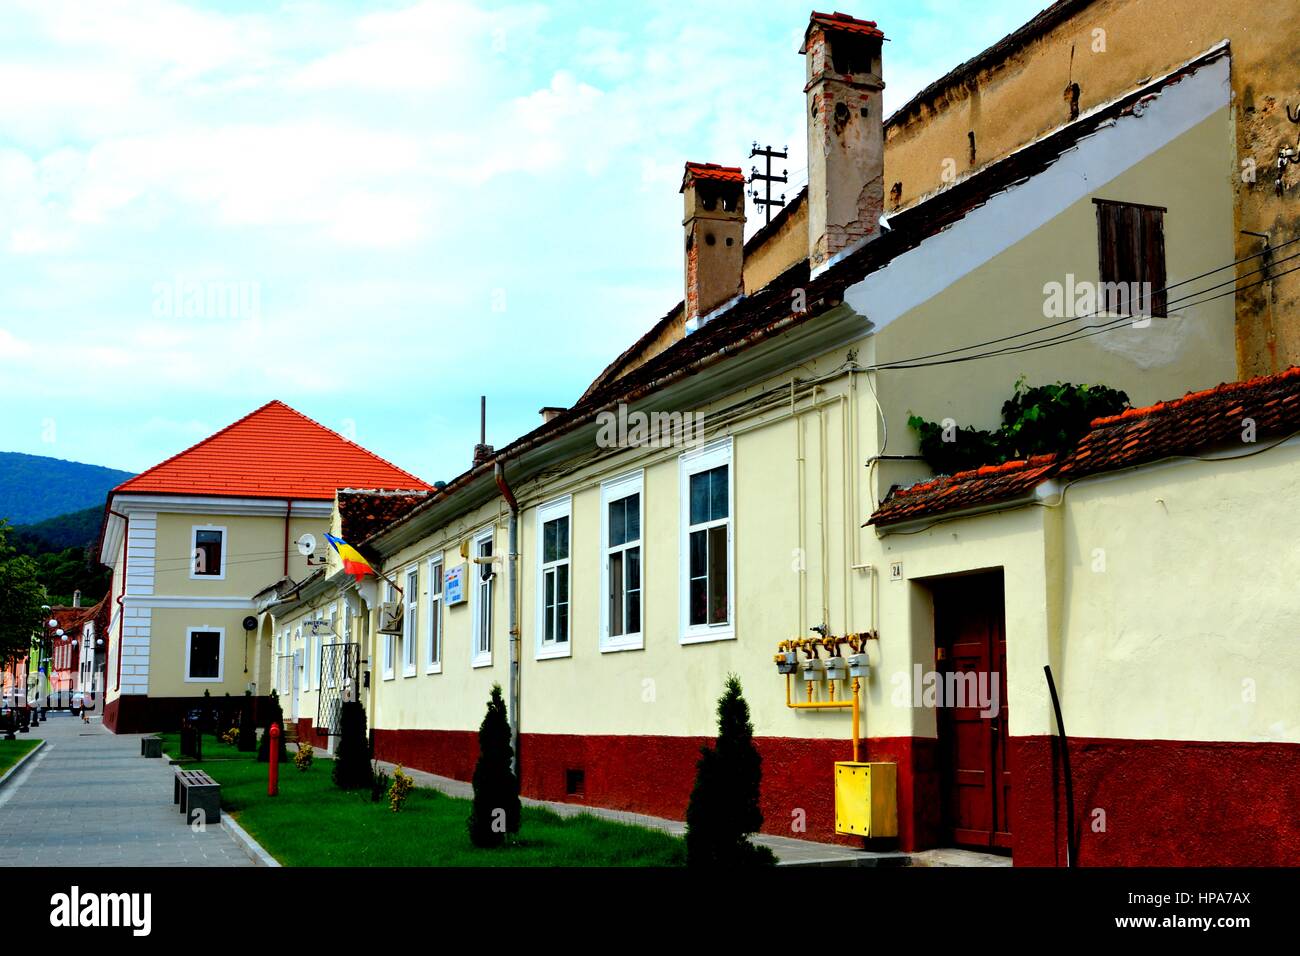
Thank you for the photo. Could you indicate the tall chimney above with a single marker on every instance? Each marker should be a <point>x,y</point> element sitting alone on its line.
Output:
<point>715,236</point>
<point>846,134</point>
<point>76,599</point>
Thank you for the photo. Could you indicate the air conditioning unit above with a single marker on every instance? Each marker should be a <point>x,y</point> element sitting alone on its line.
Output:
<point>390,617</point>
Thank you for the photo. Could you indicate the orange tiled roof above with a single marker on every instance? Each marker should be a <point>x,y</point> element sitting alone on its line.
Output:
<point>362,512</point>
<point>846,23</point>
<point>273,452</point>
<point>712,171</point>
<point>1199,421</point>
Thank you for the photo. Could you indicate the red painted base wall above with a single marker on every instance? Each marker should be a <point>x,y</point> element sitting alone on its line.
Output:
<point>654,775</point>
<point>1166,803</point>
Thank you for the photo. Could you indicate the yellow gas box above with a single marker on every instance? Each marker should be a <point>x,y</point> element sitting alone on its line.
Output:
<point>866,799</point>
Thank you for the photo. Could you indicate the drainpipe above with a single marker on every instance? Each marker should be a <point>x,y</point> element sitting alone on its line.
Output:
<point>288,513</point>
<point>121,610</point>
<point>504,487</point>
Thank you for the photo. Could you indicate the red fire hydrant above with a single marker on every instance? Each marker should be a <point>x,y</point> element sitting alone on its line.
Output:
<point>273,781</point>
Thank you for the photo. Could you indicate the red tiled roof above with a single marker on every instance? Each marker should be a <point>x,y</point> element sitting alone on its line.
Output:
<point>273,452</point>
<point>364,511</point>
<point>712,171</point>
<point>845,23</point>
<point>1194,423</point>
<point>71,617</point>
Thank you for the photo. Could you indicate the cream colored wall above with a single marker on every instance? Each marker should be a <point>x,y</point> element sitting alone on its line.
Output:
<point>454,699</point>
<point>1181,601</point>
<point>1163,598</point>
<point>167,645</point>
<point>1189,349</point>
<point>254,557</point>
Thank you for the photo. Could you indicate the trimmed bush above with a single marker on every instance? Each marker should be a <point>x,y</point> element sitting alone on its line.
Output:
<point>274,715</point>
<point>495,812</point>
<point>724,808</point>
<point>352,762</point>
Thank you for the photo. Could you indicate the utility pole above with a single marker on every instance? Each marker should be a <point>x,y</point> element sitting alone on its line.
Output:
<point>767,178</point>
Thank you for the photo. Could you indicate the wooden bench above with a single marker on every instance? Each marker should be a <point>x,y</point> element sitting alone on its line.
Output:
<point>196,792</point>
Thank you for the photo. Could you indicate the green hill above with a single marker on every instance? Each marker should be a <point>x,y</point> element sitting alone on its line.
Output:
<point>34,488</point>
<point>76,529</point>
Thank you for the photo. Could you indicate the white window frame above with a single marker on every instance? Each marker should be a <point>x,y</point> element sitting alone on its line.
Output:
<point>194,547</point>
<point>410,620</point>
<point>434,629</point>
<point>481,646</point>
<point>221,654</point>
<point>390,640</point>
<point>551,511</point>
<point>334,617</point>
<point>712,455</point>
<point>610,491</point>
<point>309,666</point>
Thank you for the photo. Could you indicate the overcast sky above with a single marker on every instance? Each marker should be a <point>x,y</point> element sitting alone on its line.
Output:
<point>372,212</point>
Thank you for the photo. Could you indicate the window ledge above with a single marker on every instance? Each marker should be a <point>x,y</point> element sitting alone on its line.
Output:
<point>554,652</point>
<point>408,670</point>
<point>636,643</point>
<point>484,660</point>
<point>388,675</point>
<point>433,668</point>
<point>708,637</point>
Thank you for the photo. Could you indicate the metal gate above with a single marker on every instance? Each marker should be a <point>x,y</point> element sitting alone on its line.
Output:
<point>339,679</point>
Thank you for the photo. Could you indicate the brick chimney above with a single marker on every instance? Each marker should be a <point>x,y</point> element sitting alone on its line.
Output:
<point>715,236</point>
<point>846,136</point>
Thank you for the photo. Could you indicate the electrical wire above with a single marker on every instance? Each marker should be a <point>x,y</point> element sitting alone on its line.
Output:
<point>905,362</point>
<point>1076,334</point>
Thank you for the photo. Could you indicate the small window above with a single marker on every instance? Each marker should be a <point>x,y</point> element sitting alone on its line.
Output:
<point>1131,251</point>
<point>554,576</point>
<point>483,577</point>
<point>331,638</point>
<point>203,654</point>
<point>208,553</point>
<point>410,629</point>
<point>621,588</point>
<point>707,544</point>
<point>433,660</point>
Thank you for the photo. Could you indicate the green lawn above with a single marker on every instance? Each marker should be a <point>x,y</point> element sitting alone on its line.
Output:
<point>312,823</point>
<point>11,751</point>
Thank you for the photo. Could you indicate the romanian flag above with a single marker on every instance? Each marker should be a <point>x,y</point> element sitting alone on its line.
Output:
<point>353,563</point>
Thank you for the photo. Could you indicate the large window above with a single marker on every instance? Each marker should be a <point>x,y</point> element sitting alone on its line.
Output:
<point>707,566</point>
<point>389,639</point>
<point>204,653</point>
<point>410,627</point>
<point>433,653</point>
<point>334,636</point>
<point>553,523</point>
<point>482,577</point>
<point>1131,250</point>
<point>621,509</point>
<point>208,552</point>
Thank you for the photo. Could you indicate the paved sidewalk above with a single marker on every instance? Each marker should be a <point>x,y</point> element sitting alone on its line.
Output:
<point>89,799</point>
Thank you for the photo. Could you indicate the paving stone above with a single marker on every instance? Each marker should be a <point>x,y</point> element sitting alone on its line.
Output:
<point>90,799</point>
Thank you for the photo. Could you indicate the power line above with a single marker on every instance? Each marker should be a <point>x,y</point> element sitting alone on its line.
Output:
<point>905,362</point>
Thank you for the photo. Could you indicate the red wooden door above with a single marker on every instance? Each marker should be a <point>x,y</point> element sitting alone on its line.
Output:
<point>970,637</point>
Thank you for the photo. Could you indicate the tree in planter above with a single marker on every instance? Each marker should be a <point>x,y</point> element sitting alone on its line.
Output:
<point>274,715</point>
<point>247,741</point>
<point>495,813</point>
<point>352,770</point>
<point>724,808</point>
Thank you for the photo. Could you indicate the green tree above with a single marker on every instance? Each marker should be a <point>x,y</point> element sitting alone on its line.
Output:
<point>21,598</point>
<point>495,812</point>
<point>724,808</point>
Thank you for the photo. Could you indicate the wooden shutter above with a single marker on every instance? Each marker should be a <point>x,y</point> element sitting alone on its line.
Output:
<point>1131,247</point>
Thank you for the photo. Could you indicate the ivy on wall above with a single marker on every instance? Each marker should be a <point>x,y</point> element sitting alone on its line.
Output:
<point>1035,421</point>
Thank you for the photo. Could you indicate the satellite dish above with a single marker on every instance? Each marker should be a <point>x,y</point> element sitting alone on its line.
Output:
<point>307,545</point>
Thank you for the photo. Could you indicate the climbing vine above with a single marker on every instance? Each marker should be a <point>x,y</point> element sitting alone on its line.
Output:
<point>1035,421</point>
